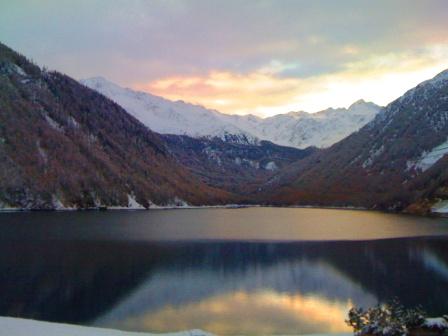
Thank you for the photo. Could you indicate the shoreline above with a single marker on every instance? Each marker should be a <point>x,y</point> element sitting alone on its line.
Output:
<point>433,214</point>
<point>13,326</point>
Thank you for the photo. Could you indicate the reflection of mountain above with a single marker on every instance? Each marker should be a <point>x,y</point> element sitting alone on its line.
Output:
<point>306,283</point>
<point>116,282</point>
<point>397,268</point>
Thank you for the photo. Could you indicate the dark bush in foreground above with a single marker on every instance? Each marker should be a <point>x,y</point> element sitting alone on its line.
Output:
<point>390,319</point>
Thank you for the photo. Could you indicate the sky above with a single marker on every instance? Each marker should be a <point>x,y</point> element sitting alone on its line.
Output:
<point>262,57</point>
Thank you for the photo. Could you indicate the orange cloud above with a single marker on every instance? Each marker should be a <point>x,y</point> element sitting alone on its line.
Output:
<point>229,92</point>
<point>379,78</point>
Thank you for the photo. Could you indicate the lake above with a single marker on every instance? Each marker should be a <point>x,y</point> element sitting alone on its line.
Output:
<point>228,271</point>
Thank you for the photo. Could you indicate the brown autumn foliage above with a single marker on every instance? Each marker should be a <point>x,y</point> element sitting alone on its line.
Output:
<point>59,139</point>
<point>370,168</point>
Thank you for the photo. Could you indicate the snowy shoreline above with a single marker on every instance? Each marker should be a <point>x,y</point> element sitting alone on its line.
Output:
<point>120,208</point>
<point>12,326</point>
<point>438,210</point>
<point>183,207</point>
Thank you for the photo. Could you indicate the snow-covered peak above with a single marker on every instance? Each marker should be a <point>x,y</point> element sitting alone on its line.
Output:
<point>295,129</point>
<point>170,117</point>
<point>441,77</point>
<point>434,83</point>
<point>320,129</point>
<point>358,103</point>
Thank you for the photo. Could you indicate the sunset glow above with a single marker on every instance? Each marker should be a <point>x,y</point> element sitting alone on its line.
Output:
<point>264,58</point>
<point>380,79</point>
<point>265,312</point>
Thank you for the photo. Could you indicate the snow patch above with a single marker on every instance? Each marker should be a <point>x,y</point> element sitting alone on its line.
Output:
<point>440,207</point>
<point>251,163</point>
<point>42,153</point>
<point>373,154</point>
<point>72,122</point>
<point>271,166</point>
<point>22,327</point>
<point>178,202</point>
<point>5,207</point>
<point>213,155</point>
<point>428,159</point>
<point>133,204</point>
<point>19,70</point>
<point>59,205</point>
<point>439,323</point>
<point>53,123</point>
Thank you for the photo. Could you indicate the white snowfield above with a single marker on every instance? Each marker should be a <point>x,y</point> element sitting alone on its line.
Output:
<point>440,323</point>
<point>441,207</point>
<point>10,326</point>
<point>428,159</point>
<point>294,129</point>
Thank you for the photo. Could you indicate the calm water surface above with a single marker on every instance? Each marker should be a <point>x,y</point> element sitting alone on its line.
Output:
<point>228,271</point>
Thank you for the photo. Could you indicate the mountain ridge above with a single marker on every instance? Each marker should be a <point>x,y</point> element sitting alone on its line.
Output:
<point>377,167</point>
<point>294,129</point>
<point>63,145</point>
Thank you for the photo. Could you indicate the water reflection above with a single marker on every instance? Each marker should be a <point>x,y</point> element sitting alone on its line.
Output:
<point>261,313</point>
<point>304,295</point>
<point>220,270</point>
<point>223,287</point>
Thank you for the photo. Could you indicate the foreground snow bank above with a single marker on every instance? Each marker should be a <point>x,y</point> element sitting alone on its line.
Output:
<point>10,326</point>
<point>439,323</point>
<point>441,207</point>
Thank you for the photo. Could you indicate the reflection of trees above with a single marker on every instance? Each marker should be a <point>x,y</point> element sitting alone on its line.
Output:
<point>80,281</point>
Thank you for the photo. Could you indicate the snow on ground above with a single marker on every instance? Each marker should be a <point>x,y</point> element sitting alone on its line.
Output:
<point>10,326</point>
<point>294,129</point>
<point>168,117</point>
<point>271,166</point>
<point>440,207</point>
<point>440,323</point>
<point>428,159</point>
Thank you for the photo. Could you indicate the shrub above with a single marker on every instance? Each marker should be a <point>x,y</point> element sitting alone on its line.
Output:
<point>389,319</point>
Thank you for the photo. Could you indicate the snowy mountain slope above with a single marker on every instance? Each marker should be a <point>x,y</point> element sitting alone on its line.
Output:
<point>169,117</point>
<point>396,161</point>
<point>302,129</point>
<point>294,129</point>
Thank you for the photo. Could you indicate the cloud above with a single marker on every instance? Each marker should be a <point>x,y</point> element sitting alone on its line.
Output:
<point>292,45</point>
<point>379,77</point>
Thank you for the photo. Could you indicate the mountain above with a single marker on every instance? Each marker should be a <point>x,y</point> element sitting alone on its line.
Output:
<point>65,145</point>
<point>235,167</point>
<point>294,129</point>
<point>397,161</point>
<point>168,117</point>
<point>301,129</point>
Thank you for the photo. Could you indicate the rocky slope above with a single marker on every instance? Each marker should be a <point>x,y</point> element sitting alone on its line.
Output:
<point>64,145</point>
<point>294,129</point>
<point>397,161</point>
<point>235,167</point>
